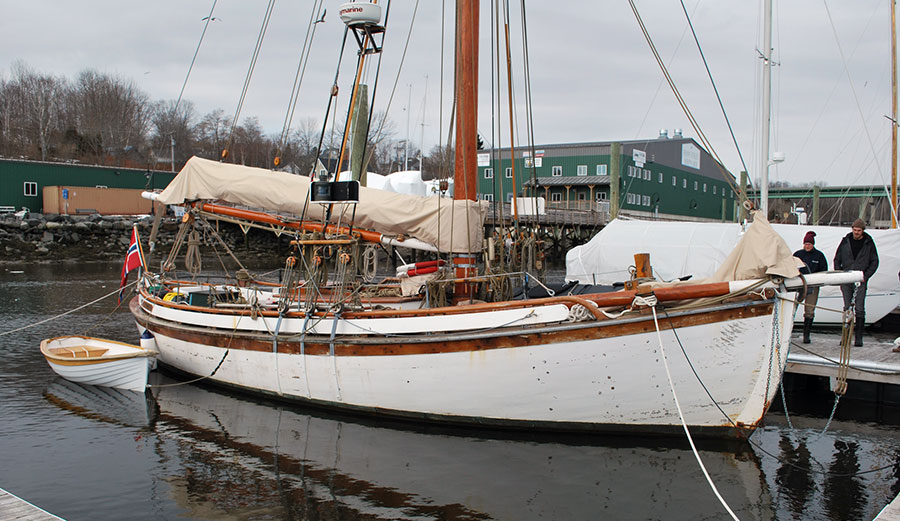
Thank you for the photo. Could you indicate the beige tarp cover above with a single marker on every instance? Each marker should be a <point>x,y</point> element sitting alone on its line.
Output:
<point>760,252</point>
<point>455,226</point>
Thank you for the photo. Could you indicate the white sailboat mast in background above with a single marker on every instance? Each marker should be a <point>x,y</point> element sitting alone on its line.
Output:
<point>766,107</point>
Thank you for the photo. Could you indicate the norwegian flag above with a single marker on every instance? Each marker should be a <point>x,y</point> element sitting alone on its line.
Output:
<point>134,258</point>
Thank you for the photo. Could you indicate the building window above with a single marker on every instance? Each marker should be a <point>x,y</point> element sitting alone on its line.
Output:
<point>704,188</point>
<point>488,173</point>
<point>674,180</point>
<point>582,196</point>
<point>556,197</point>
<point>714,190</point>
<point>556,171</point>
<point>601,196</point>
<point>695,185</point>
<point>646,175</point>
<point>684,183</point>
<point>509,197</point>
<point>30,189</point>
<point>601,169</point>
<point>508,173</point>
<point>582,170</point>
<point>488,197</point>
<point>660,177</point>
<point>645,200</point>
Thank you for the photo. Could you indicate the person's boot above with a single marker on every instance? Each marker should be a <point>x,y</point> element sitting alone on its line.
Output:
<point>807,325</point>
<point>858,332</point>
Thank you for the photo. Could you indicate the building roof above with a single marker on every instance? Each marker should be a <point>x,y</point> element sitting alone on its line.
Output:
<point>583,180</point>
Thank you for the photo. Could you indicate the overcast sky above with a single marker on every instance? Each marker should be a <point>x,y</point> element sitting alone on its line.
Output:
<point>593,76</point>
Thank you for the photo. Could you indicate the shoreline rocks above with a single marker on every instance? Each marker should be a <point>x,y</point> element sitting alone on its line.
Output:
<point>39,237</point>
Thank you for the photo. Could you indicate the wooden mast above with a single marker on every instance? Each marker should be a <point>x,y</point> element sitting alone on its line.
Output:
<point>465,173</point>
<point>893,114</point>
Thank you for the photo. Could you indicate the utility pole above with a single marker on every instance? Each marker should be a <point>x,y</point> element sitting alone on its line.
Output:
<point>172,150</point>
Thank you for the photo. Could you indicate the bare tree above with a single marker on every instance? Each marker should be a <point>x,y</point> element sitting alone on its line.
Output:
<point>249,146</point>
<point>211,134</point>
<point>172,124</point>
<point>113,113</point>
<point>40,97</point>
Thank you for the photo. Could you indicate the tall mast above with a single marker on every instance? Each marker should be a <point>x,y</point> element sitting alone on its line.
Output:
<point>465,167</point>
<point>893,114</point>
<point>464,186</point>
<point>766,108</point>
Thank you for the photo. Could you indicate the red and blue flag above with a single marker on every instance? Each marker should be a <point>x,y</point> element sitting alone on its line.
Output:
<point>134,258</point>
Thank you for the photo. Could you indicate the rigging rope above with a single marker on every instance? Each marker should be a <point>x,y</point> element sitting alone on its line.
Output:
<point>713,83</point>
<point>209,18</point>
<point>116,291</point>
<point>240,105</point>
<point>301,72</point>
<point>687,111</point>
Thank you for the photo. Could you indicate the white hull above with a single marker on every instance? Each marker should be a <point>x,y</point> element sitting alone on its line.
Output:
<point>585,375</point>
<point>122,366</point>
<point>121,374</point>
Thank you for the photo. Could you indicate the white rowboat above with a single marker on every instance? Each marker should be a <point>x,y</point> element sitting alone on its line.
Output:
<point>96,361</point>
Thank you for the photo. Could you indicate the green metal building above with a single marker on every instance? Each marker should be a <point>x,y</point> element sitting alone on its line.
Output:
<point>668,177</point>
<point>22,182</point>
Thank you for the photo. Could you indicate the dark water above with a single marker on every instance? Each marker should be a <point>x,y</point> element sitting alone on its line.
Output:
<point>190,452</point>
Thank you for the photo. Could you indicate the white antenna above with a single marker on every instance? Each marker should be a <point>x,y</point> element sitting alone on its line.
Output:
<point>422,142</point>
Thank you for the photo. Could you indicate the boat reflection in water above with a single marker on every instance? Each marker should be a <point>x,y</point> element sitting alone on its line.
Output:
<point>252,459</point>
<point>106,404</point>
<point>220,456</point>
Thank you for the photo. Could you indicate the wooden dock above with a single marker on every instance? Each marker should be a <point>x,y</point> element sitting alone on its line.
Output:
<point>873,362</point>
<point>890,512</point>
<point>12,507</point>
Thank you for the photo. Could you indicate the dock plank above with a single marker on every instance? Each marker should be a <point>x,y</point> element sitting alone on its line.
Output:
<point>13,507</point>
<point>891,512</point>
<point>873,362</point>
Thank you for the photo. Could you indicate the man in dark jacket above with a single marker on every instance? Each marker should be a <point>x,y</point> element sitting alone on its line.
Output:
<point>815,262</point>
<point>857,252</point>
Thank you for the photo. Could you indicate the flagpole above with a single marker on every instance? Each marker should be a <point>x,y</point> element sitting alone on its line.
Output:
<point>137,239</point>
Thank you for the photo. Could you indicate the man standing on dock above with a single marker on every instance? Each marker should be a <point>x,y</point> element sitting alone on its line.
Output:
<point>857,252</point>
<point>815,262</point>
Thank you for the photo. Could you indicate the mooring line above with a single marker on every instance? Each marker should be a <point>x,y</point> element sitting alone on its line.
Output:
<point>651,302</point>
<point>68,312</point>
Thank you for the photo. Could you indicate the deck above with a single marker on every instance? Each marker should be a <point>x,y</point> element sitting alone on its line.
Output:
<point>12,507</point>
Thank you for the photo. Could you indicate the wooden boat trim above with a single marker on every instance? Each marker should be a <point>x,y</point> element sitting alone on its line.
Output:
<point>398,345</point>
<point>591,302</point>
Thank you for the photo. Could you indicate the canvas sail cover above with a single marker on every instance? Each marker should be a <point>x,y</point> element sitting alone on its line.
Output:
<point>450,226</point>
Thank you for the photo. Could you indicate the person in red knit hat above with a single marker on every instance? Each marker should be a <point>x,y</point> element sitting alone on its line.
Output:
<point>815,262</point>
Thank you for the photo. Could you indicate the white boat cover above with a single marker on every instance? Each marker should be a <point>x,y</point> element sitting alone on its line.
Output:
<point>718,251</point>
<point>450,226</point>
<point>683,248</point>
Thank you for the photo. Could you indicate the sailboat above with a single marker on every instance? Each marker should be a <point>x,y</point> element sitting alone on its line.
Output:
<point>454,345</point>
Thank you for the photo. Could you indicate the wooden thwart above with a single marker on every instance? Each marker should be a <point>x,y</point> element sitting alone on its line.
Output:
<point>78,352</point>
